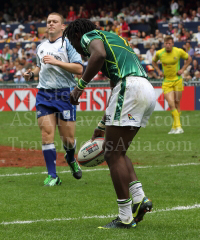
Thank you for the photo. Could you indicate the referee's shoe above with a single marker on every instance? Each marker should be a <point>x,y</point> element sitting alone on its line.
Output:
<point>74,168</point>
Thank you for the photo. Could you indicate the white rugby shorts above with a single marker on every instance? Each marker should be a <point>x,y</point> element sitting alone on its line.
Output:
<point>132,103</point>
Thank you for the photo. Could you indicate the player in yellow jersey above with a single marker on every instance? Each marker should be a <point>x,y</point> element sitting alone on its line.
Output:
<point>172,84</point>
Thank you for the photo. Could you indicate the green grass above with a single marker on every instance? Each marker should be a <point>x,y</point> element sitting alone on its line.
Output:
<point>24,198</point>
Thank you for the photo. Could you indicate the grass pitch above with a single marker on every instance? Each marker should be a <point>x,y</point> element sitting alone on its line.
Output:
<point>167,165</point>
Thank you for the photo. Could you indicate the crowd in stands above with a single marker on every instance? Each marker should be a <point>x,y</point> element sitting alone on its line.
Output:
<point>114,17</point>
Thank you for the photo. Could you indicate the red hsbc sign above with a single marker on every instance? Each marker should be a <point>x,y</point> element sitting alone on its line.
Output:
<point>18,99</point>
<point>93,99</point>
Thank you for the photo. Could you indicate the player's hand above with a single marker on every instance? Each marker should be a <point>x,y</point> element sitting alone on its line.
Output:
<point>97,133</point>
<point>180,72</point>
<point>75,95</point>
<point>27,75</point>
<point>160,73</point>
<point>50,60</point>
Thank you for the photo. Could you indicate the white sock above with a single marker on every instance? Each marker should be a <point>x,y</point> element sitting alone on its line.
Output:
<point>125,211</point>
<point>136,190</point>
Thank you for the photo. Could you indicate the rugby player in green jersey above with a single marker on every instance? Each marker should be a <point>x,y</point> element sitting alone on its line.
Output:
<point>131,103</point>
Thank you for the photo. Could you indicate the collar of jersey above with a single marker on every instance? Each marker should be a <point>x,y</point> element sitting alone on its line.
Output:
<point>55,40</point>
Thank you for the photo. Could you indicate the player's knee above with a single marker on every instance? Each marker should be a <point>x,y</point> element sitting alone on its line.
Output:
<point>47,137</point>
<point>111,156</point>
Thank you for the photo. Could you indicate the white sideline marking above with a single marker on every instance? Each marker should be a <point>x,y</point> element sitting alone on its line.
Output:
<point>179,208</point>
<point>99,169</point>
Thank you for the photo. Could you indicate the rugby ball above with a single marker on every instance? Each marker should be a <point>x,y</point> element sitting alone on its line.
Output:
<point>91,153</point>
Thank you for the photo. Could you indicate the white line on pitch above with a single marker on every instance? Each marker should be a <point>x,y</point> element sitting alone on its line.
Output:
<point>100,169</point>
<point>179,208</point>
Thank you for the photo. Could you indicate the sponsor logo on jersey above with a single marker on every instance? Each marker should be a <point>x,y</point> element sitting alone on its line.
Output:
<point>108,117</point>
<point>38,113</point>
<point>131,118</point>
<point>66,114</point>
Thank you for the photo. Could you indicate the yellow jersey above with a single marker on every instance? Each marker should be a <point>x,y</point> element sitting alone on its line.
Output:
<point>170,62</point>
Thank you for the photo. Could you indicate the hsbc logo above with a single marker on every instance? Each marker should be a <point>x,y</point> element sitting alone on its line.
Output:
<point>21,100</point>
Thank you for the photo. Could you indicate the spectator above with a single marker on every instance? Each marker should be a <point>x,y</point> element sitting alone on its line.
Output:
<point>198,34</point>
<point>19,49</point>
<point>170,29</point>
<point>180,26</point>
<point>124,28</point>
<point>33,28</point>
<point>19,31</point>
<point>5,54</point>
<point>17,38</point>
<point>8,50</point>
<point>100,76</point>
<point>185,18</point>
<point>157,33</point>
<point>174,8</point>
<point>32,51</point>
<point>189,49</point>
<point>194,16</point>
<point>98,25</point>
<point>6,65</point>
<point>28,58</point>
<point>8,30</point>
<point>196,76</point>
<point>34,38</point>
<point>175,35</point>
<point>183,36</point>
<point>151,73</point>
<point>186,75</point>
<point>198,13</point>
<point>2,32</point>
<point>71,15</point>
<point>9,38</point>
<point>1,39</point>
<point>160,38</point>
<point>133,45</point>
<point>195,67</point>
<point>27,48</point>
<point>150,53</point>
<point>19,77</point>
<point>12,70</point>
<point>14,55</point>
<point>197,50</point>
<point>6,76</point>
<point>116,27</point>
<point>83,13</point>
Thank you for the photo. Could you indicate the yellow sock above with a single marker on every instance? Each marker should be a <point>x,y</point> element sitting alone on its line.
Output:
<point>180,118</point>
<point>176,117</point>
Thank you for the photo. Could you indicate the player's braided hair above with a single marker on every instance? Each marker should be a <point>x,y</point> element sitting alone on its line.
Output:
<point>80,26</point>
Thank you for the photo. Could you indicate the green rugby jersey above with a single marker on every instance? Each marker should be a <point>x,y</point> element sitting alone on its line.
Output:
<point>121,61</point>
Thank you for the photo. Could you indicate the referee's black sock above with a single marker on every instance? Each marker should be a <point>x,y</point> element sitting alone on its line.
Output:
<point>70,152</point>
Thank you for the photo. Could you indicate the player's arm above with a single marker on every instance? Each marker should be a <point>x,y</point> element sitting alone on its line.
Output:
<point>75,68</point>
<point>186,64</point>
<point>155,65</point>
<point>96,60</point>
<point>30,74</point>
<point>95,63</point>
<point>100,130</point>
